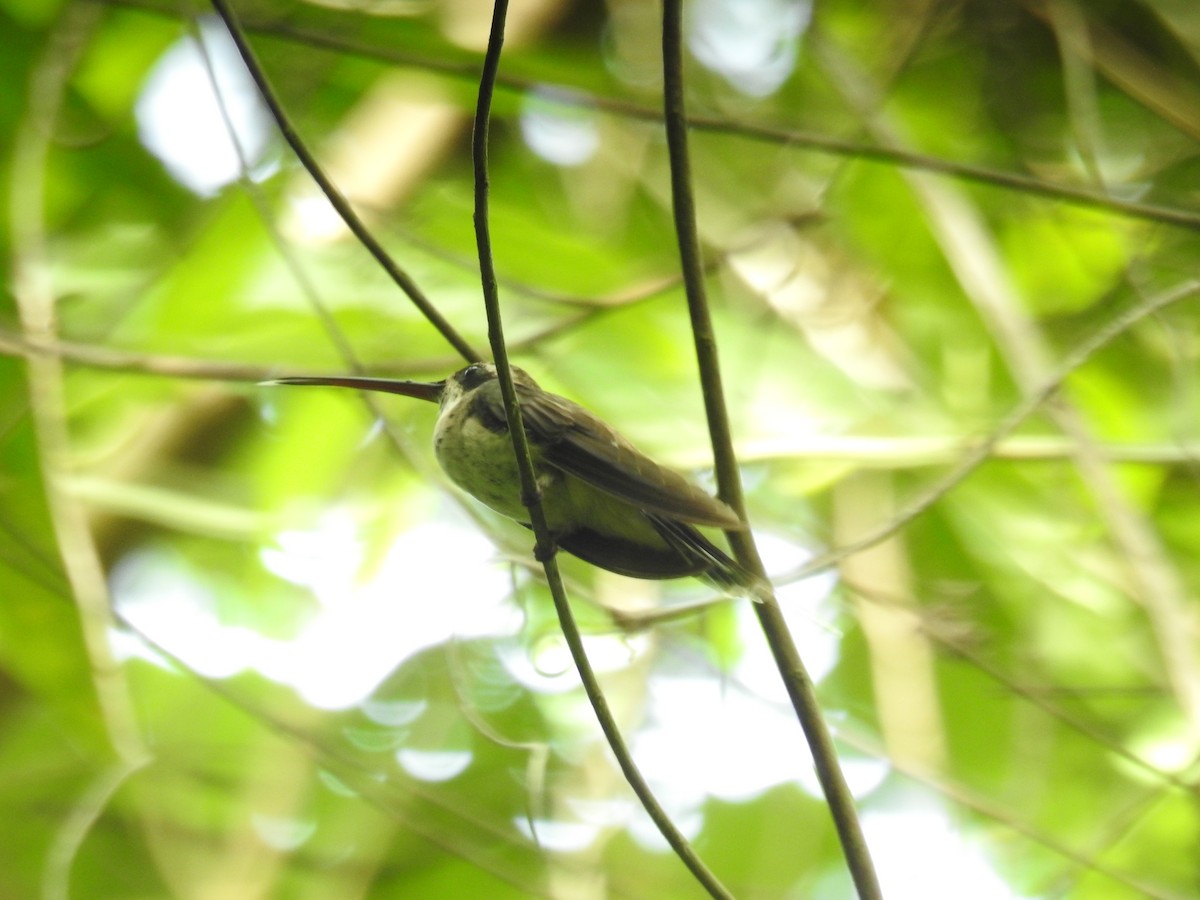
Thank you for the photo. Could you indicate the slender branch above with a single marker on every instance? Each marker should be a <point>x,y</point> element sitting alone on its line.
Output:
<point>81,822</point>
<point>968,798</point>
<point>1155,582</point>
<point>986,449</point>
<point>76,546</point>
<point>344,209</point>
<point>621,297</point>
<point>398,437</point>
<point>34,292</point>
<point>531,493</point>
<point>867,451</point>
<point>568,95</point>
<point>100,357</point>
<point>868,745</point>
<point>263,209</point>
<point>795,676</point>
<point>394,801</point>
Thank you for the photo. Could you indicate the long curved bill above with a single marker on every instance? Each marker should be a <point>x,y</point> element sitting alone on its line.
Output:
<point>422,390</point>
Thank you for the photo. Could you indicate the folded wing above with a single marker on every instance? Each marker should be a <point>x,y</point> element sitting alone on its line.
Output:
<point>572,439</point>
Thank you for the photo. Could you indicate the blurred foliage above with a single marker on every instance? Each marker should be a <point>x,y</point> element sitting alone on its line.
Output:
<point>252,645</point>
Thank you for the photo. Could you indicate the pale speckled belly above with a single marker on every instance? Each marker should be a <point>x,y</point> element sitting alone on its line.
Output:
<point>481,462</point>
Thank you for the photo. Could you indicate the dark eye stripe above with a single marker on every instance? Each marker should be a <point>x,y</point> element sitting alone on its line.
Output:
<point>490,412</point>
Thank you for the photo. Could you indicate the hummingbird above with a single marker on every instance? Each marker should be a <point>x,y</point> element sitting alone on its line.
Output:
<point>604,500</point>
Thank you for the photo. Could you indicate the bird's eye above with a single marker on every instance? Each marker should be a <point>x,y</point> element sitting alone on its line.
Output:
<point>474,375</point>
